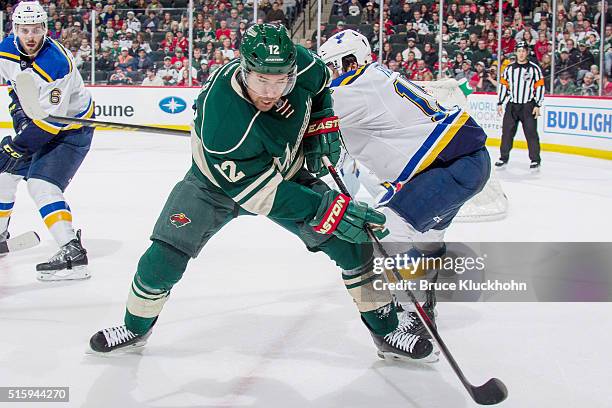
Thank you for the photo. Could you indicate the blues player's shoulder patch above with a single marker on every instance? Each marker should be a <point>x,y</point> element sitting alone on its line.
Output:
<point>53,62</point>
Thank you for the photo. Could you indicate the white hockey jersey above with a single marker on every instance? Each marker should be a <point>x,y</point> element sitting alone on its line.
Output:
<point>396,129</point>
<point>62,91</point>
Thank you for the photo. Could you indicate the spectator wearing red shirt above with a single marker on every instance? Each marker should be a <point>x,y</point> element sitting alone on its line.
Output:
<point>169,43</point>
<point>421,72</point>
<point>181,41</point>
<point>541,46</point>
<point>388,24</point>
<point>410,64</point>
<point>339,28</point>
<point>492,42</point>
<point>185,80</point>
<point>222,30</point>
<point>480,72</point>
<point>179,55</point>
<point>607,88</point>
<point>508,43</point>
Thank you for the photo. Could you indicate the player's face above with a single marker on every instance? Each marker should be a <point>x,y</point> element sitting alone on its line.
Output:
<point>30,37</point>
<point>266,89</point>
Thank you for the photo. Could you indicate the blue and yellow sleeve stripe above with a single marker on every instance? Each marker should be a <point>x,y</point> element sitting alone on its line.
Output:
<point>349,77</point>
<point>6,209</point>
<point>55,212</point>
<point>9,56</point>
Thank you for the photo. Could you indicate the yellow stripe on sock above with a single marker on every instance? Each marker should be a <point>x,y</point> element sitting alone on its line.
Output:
<point>56,217</point>
<point>5,213</point>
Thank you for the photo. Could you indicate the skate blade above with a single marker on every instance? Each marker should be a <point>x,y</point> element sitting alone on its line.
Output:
<point>76,273</point>
<point>134,348</point>
<point>434,357</point>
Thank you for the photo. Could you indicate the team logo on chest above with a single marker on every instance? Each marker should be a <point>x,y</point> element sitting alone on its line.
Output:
<point>287,159</point>
<point>179,220</point>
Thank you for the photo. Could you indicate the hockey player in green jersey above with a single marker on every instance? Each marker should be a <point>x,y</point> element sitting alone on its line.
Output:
<point>258,119</point>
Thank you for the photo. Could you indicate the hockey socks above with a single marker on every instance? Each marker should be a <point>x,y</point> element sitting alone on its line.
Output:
<point>159,269</point>
<point>8,188</point>
<point>375,306</point>
<point>53,209</point>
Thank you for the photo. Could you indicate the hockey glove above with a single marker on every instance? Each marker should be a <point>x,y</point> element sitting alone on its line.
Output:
<point>347,219</point>
<point>322,139</point>
<point>10,154</point>
<point>20,119</point>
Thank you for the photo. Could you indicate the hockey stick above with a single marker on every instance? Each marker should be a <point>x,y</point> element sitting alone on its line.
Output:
<point>28,94</point>
<point>24,241</point>
<point>493,391</point>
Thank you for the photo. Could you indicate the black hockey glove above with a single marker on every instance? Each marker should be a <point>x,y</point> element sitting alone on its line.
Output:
<point>10,154</point>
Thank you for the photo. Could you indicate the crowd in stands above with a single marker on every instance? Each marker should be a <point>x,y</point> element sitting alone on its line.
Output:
<point>469,31</point>
<point>147,41</point>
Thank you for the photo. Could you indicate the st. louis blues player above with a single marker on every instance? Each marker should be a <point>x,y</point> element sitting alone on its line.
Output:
<point>427,159</point>
<point>44,153</point>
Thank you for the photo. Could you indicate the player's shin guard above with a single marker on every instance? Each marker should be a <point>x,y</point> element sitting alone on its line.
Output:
<point>8,189</point>
<point>375,306</point>
<point>159,269</point>
<point>53,209</point>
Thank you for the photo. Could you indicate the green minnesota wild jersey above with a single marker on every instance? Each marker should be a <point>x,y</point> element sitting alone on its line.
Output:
<point>252,155</point>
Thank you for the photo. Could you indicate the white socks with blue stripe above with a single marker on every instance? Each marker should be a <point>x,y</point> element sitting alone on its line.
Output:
<point>8,189</point>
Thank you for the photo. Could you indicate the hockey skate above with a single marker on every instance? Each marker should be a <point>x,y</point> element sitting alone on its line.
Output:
<point>69,263</point>
<point>403,344</point>
<point>501,163</point>
<point>117,340</point>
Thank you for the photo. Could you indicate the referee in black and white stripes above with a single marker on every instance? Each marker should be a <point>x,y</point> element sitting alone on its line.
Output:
<point>522,86</point>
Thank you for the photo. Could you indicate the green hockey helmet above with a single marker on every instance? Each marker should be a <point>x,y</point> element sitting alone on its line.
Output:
<point>267,49</point>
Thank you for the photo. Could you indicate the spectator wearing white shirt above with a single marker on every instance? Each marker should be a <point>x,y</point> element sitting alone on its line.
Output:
<point>152,79</point>
<point>132,22</point>
<point>411,48</point>
<point>227,50</point>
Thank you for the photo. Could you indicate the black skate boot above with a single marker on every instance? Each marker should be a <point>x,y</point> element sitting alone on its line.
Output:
<point>535,165</point>
<point>501,163</point>
<point>429,307</point>
<point>69,263</point>
<point>117,340</point>
<point>402,344</point>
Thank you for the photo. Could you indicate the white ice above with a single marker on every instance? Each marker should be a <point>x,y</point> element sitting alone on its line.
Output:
<point>259,321</point>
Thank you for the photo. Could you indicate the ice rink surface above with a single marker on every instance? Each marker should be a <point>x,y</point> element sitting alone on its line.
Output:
<point>259,321</point>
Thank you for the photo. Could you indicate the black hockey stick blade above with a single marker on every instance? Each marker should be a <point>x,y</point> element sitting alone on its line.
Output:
<point>29,95</point>
<point>492,392</point>
<point>24,241</point>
